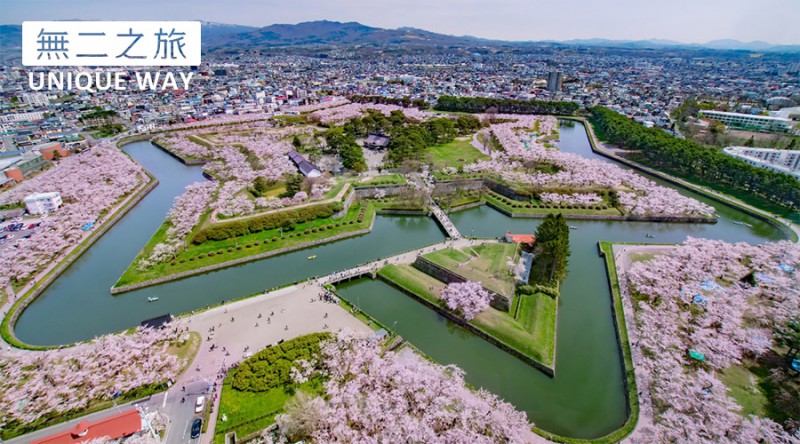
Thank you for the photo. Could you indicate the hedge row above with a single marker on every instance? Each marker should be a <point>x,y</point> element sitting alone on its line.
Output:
<point>287,219</point>
<point>271,367</point>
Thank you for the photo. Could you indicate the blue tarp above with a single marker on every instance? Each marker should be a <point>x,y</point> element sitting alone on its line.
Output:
<point>796,364</point>
<point>763,277</point>
<point>698,299</point>
<point>88,225</point>
<point>709,285</point>
<point>785,267</point>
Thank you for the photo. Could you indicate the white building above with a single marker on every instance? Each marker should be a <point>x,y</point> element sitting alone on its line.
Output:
<point>36,99</point>
<point>43,203</point>
<point>749,121</point>
<point>782,161</point>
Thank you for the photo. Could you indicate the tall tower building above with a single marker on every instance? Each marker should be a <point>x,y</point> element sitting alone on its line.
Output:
<point>554,81</point>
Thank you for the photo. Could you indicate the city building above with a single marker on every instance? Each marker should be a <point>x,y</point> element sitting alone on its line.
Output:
<point>307,168</point>
<point>43,203</point>
<point>35,99</point>
<point>749,121</point>
<point>554,79</point>
<point>17,165</point>
<point>782,161</point>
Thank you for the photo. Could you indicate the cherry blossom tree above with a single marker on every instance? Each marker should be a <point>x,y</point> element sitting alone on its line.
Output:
<point>377,396</point>
<point>469,298</point>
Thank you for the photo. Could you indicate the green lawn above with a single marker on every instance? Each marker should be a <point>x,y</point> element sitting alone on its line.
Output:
<point>249,412</point>
<point>454,154</point>
<point>642,257</point>
<point>485,263</point>
<point>385,179</point>
<point>745,389</point>
<point>101,132</point>
<point>243,246</point>
<point>532,333</point>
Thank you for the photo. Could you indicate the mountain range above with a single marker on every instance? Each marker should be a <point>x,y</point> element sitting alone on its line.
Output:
<point>350,34</point>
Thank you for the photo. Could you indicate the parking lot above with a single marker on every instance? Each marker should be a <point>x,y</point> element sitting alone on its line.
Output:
<point>12,230</point>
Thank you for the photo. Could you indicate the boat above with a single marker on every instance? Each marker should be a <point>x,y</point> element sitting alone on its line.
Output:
<point>573,227</point>
<point>152,299</point>
<point>312,257</point>
<point>649,235</point>
<point>742,223</point>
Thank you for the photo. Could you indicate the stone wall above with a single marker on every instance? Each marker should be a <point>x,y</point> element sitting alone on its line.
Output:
<point>499,302</point>
<point>389,190</point>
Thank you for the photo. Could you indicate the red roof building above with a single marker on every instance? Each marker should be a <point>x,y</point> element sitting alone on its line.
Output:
<point>114,427</point>
<point>521,238</point>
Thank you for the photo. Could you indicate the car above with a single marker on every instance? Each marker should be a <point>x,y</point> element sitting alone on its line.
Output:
<point>31,226</point>
<point>10,236</point>
<point>199,404</point>
<point>197,425</point>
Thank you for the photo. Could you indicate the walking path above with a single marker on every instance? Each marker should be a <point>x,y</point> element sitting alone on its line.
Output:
<point>445,221</point>
<point>337,198</point>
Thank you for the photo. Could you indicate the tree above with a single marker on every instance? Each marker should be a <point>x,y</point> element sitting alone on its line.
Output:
<point>751,141</point>
<point>296,143</point>
<point>789,336</point>
<point>294,184</point>
<point>469,298</point>
<point>552,249</point>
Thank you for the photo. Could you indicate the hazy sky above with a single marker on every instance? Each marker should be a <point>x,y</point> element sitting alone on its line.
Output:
<point>691,21</point>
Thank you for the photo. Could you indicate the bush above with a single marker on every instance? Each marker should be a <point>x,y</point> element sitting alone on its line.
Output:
<point>321,228</point>
<point>256,243</point>
<point>182,260</point>
<point>238,247</point>
<point>211,254</point>
<point>220,251</point>
<point>307,231</point>
<point>201,255</point>
<point>230,249</point>
<point>330,226</point>
<point>173,263</point>
<point>271,367</point>
<point>191,258</point>
<point>283,219</point>
<point>274,239</point>
<point>248,246</point>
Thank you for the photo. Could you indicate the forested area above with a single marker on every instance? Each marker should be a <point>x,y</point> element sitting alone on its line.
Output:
<point>505,106</point>
<point>692,161</point>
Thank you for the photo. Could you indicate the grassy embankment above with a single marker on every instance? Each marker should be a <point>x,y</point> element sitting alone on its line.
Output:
<point>530,326</point>
<point>218,252</point>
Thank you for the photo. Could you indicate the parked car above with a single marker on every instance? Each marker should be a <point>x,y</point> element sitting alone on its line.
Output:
<point>197,426</point>
<point>199,404</point>
<point>31,226</point>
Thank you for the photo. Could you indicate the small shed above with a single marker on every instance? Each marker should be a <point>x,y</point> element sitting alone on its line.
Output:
<point>306,168</point>
<point>376,142</point>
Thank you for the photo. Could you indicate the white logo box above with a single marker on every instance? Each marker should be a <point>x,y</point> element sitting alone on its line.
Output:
<point>111,43</point>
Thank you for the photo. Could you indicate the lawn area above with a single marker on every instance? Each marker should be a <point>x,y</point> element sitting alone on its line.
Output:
<point>642,257</point>
<point>745,389</point>
<point>187,350</point>
<point>101,132</point>
<point>385,179</point>
<point>217,252</point>
<point>256,390</point>
<point>532,333</point>
<point>454,154</point>
<point>487,264</point>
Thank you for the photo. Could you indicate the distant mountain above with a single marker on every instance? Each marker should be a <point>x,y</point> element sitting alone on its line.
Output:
<point>350,34</point>
<point>212,30</point>
<point>326,32</point>
<point>724,44</point>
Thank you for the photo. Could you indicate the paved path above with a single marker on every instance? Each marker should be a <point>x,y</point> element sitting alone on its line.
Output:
<point>444,220</point>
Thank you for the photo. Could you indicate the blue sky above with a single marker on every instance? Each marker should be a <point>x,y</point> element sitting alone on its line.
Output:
<point>691,21</point>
